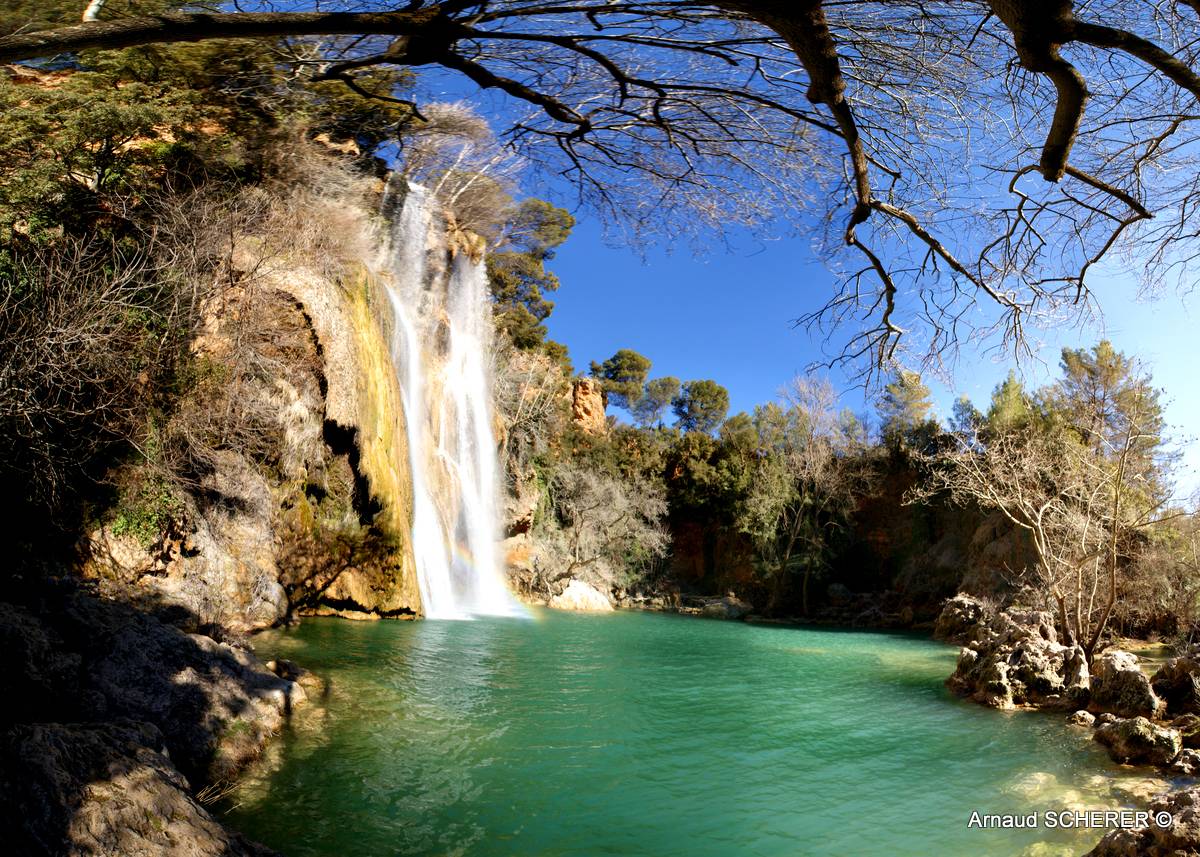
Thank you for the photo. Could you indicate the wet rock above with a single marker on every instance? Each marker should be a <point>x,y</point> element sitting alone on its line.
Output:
<point>1138,741</point>
<point>1187,763</point>
<point>582,597</point>
<point>1178,682</point>
<point>1120,686</point>
<point>1180,838</point>
<point>1106,717</point>
<point>1189,728</point>
<point>1082,718</point>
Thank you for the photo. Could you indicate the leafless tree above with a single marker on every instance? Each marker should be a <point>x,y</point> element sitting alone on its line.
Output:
<point>601,528</point>
<point>974,161</point>
<point>84,331</point>
<point>1082,512</point>
<point>532,399</point>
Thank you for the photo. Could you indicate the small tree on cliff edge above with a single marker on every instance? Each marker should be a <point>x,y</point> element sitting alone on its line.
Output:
<point>622,377</point>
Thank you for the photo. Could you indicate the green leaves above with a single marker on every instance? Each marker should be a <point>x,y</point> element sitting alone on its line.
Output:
<point>701,406</point>
<point>622,377</point>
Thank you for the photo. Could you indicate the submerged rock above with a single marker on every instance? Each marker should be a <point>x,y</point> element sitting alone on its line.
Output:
<point>1180,838</point>
<point>582,597</point>
<point>1138,741</point>
<point>1120,686</point>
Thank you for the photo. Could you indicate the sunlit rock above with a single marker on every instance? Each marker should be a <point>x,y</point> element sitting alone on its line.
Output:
<point>582,597</point>
<point>1138,741</point>
<point>1120,686</point>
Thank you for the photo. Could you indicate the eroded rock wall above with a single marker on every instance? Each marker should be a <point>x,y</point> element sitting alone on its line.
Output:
<point>302,502</point>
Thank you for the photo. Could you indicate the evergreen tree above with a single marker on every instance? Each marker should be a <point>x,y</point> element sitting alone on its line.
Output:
<point>1109,400</point>
<point>966,419</point>
<point>1011,407</point>
<point>517,274</point>
<point>904,405</point>
<point>657,395</point>
<point>622,376</point>
<point>700,406</point>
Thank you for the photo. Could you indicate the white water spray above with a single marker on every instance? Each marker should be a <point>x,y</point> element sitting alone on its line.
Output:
<point>439,347</point>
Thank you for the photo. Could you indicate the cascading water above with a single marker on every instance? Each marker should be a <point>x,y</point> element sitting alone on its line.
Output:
<point>439,348</point>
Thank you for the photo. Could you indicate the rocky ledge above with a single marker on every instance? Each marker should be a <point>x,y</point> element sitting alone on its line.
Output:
<point>1012,658</point>
<point>115,720</point>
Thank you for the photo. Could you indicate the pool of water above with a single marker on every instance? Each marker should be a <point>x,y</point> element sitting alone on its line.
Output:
<point>648,734</point>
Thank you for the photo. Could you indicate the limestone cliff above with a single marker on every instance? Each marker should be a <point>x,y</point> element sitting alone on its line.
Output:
<point>300,495</point>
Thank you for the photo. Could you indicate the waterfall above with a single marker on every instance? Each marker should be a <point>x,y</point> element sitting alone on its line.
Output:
<point>440,341</point>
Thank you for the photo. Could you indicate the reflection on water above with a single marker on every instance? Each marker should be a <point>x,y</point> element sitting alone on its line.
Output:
<point>654,735</point>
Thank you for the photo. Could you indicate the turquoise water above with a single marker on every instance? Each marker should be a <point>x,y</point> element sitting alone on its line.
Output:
<point>648,734</point>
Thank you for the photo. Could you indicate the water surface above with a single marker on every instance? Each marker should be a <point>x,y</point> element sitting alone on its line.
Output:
<point>648,734</point>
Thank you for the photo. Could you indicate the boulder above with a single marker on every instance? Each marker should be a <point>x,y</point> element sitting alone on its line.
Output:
<point>960,618</point>
<point>214,703</point>
<point>1180,838</point>
<point>1120,686</point>
<point>1138,741</point>
<point>1187,763</point>
<point>1082,718</point>
<point>582,597</point>
<point>1188,726</point>
<point>1019,663</point>
<point>729,607</point>
<point>1178,683</point>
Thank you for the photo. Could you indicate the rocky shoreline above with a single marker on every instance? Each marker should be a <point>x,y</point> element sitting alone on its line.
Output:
<point>1012,658</point>
<point>125,721</point>
<point>121,725</point>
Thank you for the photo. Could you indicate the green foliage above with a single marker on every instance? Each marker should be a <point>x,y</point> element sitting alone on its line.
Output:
<point>904,405</point>
<point>73,148</point>
<point>622,377</point>
<point>1011,407</point>
<point>518,279</point>
<point>657,395</point>
<point>966,419</point>
<point>700,406</point>
<point>145,511</point>
<point>1104,393</point>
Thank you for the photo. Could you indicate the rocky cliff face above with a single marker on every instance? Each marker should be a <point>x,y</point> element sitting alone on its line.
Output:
<point>587,406</point>
<point>301,501</point>
<point>116,721</point>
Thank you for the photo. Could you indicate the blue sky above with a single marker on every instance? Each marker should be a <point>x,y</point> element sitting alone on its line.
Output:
<point>727,316</point>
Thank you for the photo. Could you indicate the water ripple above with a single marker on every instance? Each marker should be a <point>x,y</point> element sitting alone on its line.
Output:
<point>652,735</point>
